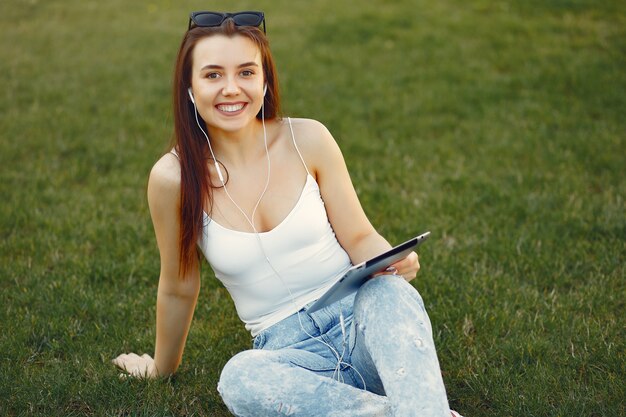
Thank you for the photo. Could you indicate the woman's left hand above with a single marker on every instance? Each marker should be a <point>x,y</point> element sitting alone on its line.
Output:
<point>407,268</point>
<point>136,366</point>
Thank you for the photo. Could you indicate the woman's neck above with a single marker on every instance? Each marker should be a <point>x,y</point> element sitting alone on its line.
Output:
<point>240,147</point>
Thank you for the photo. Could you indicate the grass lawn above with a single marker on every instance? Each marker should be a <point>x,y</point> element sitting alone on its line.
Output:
<point>497,125</point>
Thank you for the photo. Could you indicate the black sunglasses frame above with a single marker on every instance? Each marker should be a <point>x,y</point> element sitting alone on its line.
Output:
<point>223,16</point>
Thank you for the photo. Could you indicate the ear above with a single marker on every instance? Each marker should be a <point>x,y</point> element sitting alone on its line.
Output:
<point>191,95</point>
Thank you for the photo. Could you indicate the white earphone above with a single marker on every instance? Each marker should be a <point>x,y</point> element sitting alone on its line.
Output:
<point>191,95</point>
<point>217,167</point>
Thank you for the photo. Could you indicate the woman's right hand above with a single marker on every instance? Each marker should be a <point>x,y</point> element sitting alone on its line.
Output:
<point>137,366</point>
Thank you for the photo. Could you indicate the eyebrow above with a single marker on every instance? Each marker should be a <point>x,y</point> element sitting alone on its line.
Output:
<point>245,64</point>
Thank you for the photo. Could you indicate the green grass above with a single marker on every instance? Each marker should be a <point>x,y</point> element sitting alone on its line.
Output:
<point>497,125</point>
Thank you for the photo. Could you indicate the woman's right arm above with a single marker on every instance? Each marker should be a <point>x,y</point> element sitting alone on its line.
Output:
<point>176,296</point>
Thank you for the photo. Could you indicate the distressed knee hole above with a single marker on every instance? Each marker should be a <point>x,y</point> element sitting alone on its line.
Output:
<point>284,409</point>
<point>419,343</point>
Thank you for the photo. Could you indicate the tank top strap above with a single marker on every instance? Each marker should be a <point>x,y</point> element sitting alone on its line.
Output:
<point>173,152</point>
<point>293,138</point>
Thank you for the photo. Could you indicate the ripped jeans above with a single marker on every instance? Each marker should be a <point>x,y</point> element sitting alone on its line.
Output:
<point>367,355</point>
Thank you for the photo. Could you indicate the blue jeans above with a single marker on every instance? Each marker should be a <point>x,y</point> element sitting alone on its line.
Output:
<point>367,355</point>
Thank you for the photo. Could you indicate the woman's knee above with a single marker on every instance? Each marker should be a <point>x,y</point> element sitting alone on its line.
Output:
<point>239,377</point>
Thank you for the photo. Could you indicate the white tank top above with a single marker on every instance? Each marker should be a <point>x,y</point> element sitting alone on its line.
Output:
<point>303,249</point>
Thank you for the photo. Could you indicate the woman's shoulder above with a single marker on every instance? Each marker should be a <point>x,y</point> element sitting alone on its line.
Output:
<point>308,128</point>
<point>316,143</point>
<point>310,135</point>
<point>165,174</point>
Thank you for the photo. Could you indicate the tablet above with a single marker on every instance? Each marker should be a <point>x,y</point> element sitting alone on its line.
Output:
<point>358,274</point>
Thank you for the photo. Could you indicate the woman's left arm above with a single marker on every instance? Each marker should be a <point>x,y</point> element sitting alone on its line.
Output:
<point>353,229</point>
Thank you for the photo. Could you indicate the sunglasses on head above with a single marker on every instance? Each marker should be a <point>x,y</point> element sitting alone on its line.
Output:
<point>212,19</point>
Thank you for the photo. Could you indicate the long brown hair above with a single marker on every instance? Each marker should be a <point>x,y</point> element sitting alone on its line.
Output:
<point>189,141</point>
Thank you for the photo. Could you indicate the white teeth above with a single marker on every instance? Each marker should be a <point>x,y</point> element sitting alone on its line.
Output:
<point>230,107</point>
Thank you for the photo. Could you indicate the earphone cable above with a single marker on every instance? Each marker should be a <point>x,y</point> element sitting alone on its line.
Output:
<point>337,371</point>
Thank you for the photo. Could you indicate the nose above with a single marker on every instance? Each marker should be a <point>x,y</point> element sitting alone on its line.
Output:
<point>231,88</point>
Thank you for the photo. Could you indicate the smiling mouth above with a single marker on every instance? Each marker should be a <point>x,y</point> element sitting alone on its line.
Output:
<point>230,108</point>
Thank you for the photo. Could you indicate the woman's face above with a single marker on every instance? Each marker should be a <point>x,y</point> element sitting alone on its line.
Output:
<point>227,81</point>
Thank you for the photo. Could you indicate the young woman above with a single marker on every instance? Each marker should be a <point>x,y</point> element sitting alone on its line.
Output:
<point>270,204</point>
